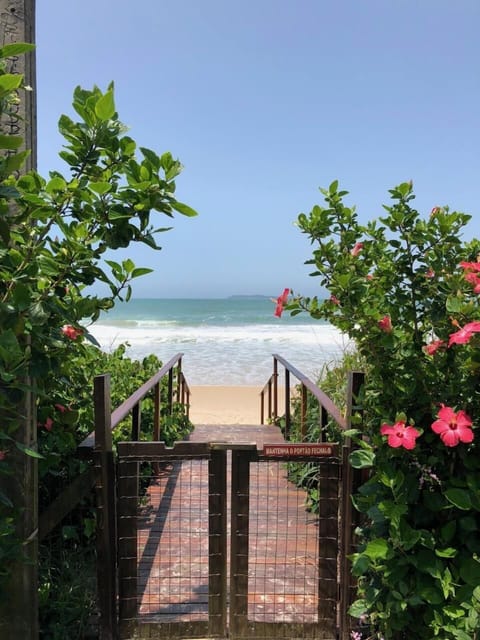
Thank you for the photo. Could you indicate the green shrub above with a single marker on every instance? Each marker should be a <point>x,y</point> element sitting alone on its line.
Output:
<point>405,289</point>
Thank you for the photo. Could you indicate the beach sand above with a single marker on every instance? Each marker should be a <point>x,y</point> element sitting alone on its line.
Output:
<point>225,405</point>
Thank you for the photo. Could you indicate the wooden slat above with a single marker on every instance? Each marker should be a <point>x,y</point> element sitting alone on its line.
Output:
<point>217,543</point>
<point>147,451</point>
<point>106,501</point>
<point>239,543</point>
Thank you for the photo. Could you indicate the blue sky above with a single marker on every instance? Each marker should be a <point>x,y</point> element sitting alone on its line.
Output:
<point>264,101</point>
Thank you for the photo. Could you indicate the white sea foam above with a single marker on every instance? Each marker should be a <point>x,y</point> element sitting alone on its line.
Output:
<point>229,355</point>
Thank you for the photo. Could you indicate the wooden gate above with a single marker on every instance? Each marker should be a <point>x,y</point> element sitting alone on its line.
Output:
<point>186,570</point>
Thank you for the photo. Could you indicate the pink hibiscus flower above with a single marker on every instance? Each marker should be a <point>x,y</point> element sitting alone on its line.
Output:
<point>470,266</point>
<point>385,324</point>
<point>434,346</point>
<point>3,454</point>
<point>281,302</point>
<point>463,335</point>
<point>400,435</point>
<point>356,249</point>
<point>48,424</point>
<point>334,300</point>
<point>61,408</point>
<point>453,427</point>
<point>473,278</point>
<point>70,332</point>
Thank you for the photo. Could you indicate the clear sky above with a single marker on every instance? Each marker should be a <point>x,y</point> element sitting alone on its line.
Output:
<point>264,101</point>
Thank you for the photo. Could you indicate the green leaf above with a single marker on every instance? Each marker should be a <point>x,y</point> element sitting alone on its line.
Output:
<point>431,595</point>
<point>128,265</point>
<point>16,49</point>
<point>449,552</point>
<point>101,188</point>
<point>55,184</point>
<point>377,549</point>
<point>4,499</point>
<point>454,304</point>
<point>459,498</point>
<point>9,192</point>
<point>358,608</point>
<point>362,458</point>
<point>10,142</point>
<point>105,106</point>
<point>10,350</point>
<point>333,187</point>
<point>38,315</point>
<point>184,209</point>
<point>29,452</point>
<point>15,162</point>
<point>152,157</point>
<point>140,271</point>
<point>9,82</point>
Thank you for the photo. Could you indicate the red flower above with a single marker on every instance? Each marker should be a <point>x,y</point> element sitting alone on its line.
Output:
<point>470,266</point>
<point>453,427</point>
<point>61,408</point>
<point>385,324</point>
<point>334,299</point>
<point>3,454</point>
<point>433,346</point>
<point>70,332</point>
<point>430,273</point>
<point>474,279</point>
<point>464,334</point>
<point>281,302</point>
<point>356,249</point>
<point>48,424</point>
<point>434,211</point>
<point>399,435</point>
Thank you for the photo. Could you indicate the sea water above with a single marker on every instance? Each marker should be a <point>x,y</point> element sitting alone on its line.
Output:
<point>224,341</point>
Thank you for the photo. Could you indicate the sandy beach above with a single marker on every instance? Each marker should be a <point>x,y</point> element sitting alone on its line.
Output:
<point>225,405</point>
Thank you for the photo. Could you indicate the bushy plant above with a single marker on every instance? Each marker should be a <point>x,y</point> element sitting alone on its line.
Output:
<point>405,288</point>
<point>57,235</point>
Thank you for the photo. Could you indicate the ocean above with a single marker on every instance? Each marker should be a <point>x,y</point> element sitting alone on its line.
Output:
<point>224,341</point>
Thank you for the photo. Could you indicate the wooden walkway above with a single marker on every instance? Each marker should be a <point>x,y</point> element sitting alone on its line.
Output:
<point>173,539</point>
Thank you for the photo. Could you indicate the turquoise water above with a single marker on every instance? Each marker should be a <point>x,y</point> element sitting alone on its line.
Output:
<point>224,341</point>
<point>236,311</point>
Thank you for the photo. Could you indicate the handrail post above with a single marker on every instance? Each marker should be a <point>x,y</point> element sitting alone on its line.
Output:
<point>354,383</point>
<point>303,412</point>
<point>275,388</point>
<point>179,378</point>
<point>156,412</point>
<point>170,392</point>
<point>106,500</point>
<point>270,415</point>
<point>136,422</point>
<point>287,404</point>
<point>262,408</point>
<point>322,423</point>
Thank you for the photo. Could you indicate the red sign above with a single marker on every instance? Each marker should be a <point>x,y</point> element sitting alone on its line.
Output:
<point>297,449</point>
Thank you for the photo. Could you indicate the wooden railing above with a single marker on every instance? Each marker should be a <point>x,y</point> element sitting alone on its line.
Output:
<point>83,483</point>
<point>105,477</point>
<point>351,478</point>
<point>269,396</point>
